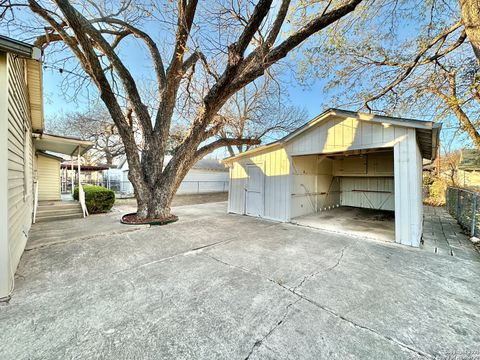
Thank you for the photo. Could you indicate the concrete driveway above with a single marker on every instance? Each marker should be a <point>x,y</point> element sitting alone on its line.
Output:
<point>218,286</point>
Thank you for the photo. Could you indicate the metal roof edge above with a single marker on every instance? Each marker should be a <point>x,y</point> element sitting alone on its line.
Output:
<point>19,48</point>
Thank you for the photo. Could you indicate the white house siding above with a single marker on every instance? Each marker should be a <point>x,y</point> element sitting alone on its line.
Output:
<point>275,165</point>
<point>17,148</point>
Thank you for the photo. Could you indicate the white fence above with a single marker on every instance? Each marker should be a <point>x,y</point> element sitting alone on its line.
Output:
<point>186,187</point>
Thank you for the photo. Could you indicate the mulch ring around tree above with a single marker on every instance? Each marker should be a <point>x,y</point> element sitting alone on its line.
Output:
<point>133,219</point>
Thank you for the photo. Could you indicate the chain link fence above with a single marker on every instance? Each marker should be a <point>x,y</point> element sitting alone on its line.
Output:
<point>464,206</point>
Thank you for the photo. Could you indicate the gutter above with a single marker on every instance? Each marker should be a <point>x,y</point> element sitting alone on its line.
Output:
<point>20,48</point>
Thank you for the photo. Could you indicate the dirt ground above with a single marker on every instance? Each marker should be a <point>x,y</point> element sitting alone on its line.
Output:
<point>184,199</point>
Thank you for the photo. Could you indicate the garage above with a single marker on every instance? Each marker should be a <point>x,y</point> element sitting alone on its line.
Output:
<point>348,172</point>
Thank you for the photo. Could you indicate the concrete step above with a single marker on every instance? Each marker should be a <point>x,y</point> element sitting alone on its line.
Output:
<point>57,204</point>
<point>58,217</point>
<point>57,212</point>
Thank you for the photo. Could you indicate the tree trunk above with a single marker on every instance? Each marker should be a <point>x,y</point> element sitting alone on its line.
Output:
<point>471,21</point>
<point>155,193</point>
<point>467,125</point>
<point>108,158</point>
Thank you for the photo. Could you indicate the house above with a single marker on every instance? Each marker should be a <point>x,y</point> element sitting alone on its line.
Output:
<point>338,159</point>
<point>469,168</point>
<point>206,175</point>
<point>90,174</point>
<point>29,172</point>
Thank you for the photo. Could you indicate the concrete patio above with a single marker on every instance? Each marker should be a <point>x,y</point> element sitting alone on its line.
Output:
<point>216,286</point>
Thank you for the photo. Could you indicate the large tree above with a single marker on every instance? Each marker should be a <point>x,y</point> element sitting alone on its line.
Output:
<point>227,44</point>
<point>413,58</point>
<point>260,111</point>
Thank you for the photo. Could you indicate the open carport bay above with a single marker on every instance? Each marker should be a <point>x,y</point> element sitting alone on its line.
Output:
<point>351,193</point>
<point>353,221</point>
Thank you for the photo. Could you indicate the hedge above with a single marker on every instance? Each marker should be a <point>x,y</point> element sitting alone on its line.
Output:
<point>97,198</point>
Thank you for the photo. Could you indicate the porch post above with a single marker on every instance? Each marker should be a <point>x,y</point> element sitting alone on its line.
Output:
<point>78,159</point>
<point>72,173</point>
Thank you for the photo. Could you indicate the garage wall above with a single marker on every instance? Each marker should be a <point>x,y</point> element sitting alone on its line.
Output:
<point>276,169</point>
<point>408,190</point>
<point>340,134</point>
<point>366,180</point>
<point>368,192</point>
<point>304,185</point>
<point>314,187</point>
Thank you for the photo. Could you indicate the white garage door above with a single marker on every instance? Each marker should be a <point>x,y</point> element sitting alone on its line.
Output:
<point>254,191</point>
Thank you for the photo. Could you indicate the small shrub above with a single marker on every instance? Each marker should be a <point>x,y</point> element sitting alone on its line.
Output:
<point>437,189</point>
<point>97,198</point>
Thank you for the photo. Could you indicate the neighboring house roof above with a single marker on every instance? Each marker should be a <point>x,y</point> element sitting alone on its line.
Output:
<point>469,160</point>
<point>427,131</point>
<point>203,164</point>
<point>68,165</point>
<point>34,76</point>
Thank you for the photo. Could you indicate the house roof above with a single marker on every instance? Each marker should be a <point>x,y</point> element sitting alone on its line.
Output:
<point>203,164</point>
<point>19,48</point>
<point>51,156</point>
<point>34,76</point>
<point>61,144</point>
<point>469,160</point>
<point>427,131</point>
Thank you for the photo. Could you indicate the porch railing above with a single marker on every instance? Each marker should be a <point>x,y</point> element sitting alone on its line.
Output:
<point>35,202</point>
<point>81,198</point>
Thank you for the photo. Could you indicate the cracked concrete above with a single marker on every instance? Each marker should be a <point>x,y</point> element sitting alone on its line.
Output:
<point>215,286</point>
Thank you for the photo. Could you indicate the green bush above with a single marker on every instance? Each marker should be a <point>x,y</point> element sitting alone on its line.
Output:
<point>97,198</point>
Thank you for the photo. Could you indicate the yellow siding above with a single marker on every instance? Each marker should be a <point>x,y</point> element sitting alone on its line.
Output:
<point>48,170</point>
<point>275,165</point>
<point>341,134</point>
<point>20,159</point>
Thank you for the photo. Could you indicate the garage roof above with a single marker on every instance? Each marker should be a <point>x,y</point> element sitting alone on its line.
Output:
<point>427,131</point>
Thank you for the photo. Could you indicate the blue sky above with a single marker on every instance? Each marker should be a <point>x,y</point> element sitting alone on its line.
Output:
<point>312,98</point>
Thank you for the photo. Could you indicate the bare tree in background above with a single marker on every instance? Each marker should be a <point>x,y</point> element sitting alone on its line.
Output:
<point>259,111</point>
<point>226,44</point>
<point>428,71</point>
<point>94,125</point>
